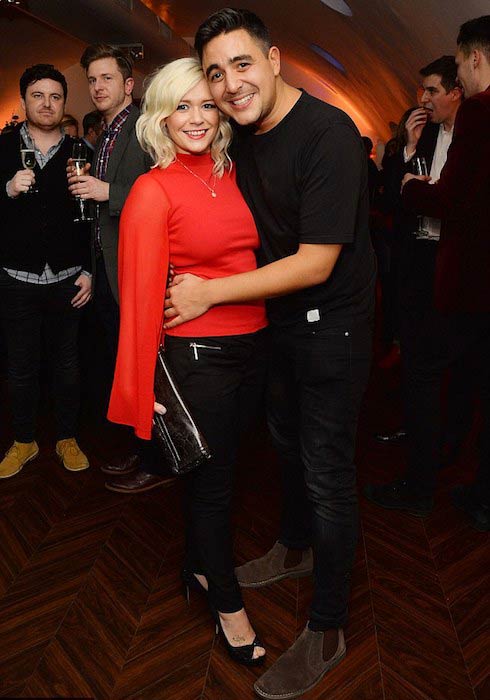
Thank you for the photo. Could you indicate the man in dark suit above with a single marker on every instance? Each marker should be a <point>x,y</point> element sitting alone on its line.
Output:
<point>119,160</point>
<point>429,131</point>
<point>461,322</point>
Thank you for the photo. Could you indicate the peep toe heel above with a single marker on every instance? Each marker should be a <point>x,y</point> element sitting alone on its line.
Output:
<point>242,655</point>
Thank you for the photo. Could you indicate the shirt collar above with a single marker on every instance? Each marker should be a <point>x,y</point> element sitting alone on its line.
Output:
<point>443,131</point>
<point>29,141</point>
<point>118,120</point>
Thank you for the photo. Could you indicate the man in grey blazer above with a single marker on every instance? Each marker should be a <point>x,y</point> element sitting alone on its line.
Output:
<point>119,160</point>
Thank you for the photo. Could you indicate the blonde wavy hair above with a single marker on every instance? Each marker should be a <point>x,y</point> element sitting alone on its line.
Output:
<point>163,92</point>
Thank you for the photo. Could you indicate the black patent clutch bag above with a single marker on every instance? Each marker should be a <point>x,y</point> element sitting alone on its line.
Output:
<point>182,443</point>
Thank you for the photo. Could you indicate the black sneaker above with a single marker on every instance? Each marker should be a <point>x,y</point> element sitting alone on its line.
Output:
<point>478,513</point>
<point>399,495</point>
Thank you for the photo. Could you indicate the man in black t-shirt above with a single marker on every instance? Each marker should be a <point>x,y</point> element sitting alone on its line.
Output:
<point>302,169</point>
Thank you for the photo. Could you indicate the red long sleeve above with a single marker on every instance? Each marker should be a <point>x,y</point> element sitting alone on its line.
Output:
<point>143,266</point>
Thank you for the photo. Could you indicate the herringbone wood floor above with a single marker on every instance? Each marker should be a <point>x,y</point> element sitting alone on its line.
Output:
<point>91,605</point>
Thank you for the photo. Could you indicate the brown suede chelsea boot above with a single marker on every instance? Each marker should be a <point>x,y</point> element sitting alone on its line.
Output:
<point>273,566</point>
<point>303,665</point>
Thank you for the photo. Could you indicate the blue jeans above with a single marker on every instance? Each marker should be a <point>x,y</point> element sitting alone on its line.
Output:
<point>315,387</point>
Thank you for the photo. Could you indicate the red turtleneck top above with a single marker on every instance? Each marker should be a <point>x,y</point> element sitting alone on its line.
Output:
<point>170,215</point>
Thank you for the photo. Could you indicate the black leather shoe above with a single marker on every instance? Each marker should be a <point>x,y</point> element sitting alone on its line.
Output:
<point>478,513</point>
<point>395,438</point>
<point>126,466</point>
<point>138,482</point>
<point>399,495</point>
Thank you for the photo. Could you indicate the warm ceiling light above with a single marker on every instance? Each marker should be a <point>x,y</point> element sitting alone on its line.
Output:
<point>327,57</point>
<point>339,6</point>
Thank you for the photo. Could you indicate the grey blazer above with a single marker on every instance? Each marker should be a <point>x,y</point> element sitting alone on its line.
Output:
<point>126,163</point>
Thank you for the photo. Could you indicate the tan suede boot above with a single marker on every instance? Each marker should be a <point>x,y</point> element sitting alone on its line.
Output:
<point>71,455</point>
<point>302,666</point>
<point>272,567</point>
<point>19,454</point>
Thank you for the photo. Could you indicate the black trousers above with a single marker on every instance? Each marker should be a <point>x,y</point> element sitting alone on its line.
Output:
<point>221,379</point>
<point>315,387</point>
<point>443,341</point>
<point>418,317</point>
<point>107,311</point>
<point>29,312</point>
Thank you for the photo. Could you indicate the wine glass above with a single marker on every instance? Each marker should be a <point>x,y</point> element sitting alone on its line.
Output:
<point>28,156</point>
<point>419,167</point>
<point>79,158</point>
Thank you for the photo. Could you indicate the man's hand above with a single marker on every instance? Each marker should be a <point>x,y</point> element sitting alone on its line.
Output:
<point>20,182</point>
<point>414,125</point>
<point>159,408</point>
<point>85,293</point>
<point>186,299</point>
<point>86,186</point>
<point>409,176</point>
<point>71,171</point>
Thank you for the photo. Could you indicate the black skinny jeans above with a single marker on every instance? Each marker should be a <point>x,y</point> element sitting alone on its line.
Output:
<point>29,311</point>
<point>315,387</point>
<point>221,379</point>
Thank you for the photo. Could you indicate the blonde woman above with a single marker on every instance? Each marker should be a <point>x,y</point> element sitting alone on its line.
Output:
<point>188,211</point>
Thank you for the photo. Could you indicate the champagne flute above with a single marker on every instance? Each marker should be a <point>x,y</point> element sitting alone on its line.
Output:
<point>79,158</point>
<point>28,157</point>
<point>419,167</point>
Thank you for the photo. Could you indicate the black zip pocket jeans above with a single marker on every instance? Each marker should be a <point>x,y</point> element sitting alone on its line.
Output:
<point>221,380</point>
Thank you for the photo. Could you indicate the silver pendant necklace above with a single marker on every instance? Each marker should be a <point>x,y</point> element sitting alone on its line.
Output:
<point>211,189</point>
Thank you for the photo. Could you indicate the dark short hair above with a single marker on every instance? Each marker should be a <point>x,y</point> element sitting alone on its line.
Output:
<point>94,52</point>
<point>446,67</point>
<point>92,120</point>
<point>228,20</point>
<point>475,34</point>
<point>41,71</point>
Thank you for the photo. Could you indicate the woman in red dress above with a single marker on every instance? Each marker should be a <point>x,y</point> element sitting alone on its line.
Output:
<point>188,211</point>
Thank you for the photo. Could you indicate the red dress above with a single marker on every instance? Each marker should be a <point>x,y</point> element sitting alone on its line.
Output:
<point>170,215</point>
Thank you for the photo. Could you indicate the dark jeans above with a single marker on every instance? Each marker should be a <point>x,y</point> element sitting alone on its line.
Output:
<point>29,311</point>
<point>222,384</point>
<point>442,342</point>
<point>316,383</point>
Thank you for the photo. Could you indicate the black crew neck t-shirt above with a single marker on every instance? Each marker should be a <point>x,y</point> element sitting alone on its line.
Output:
<point>305,181</point>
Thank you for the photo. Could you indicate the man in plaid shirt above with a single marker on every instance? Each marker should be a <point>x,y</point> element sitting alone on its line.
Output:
<point>118,161</point>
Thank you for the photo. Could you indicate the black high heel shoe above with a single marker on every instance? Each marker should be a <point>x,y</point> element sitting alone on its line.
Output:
<point>191,583</point>
<point>242,655</point>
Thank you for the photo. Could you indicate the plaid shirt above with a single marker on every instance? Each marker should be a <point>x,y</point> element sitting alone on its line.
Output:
<point>111,132</point>
<point>47,276</point>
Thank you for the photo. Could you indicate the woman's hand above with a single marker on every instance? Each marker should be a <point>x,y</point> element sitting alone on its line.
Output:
<point>159,408</point>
